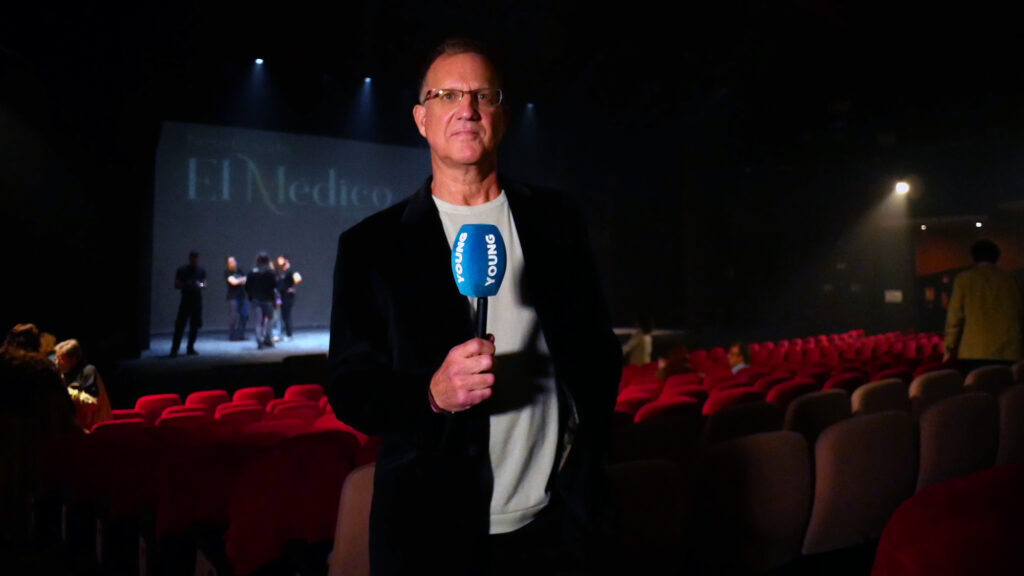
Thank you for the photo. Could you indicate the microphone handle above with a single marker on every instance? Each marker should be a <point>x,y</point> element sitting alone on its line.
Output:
<point>481,317</point>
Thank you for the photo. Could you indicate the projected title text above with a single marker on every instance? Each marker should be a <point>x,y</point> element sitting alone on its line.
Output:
<point>239,179</point>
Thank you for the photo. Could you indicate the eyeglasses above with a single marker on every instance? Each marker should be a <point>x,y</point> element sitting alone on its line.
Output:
<point>483,98</point>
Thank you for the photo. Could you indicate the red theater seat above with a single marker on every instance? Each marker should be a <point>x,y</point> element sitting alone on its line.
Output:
<point>207,399</point>
<point>153,405</point>
<point>968,525</point>
<point>766,383</point>
<point>848,381</point>
<point>786,392</point>
<point>262,395</point>
<point>311,392</point>
<point>680,407</point>
<point>731,397</point>
<point>128,414</point>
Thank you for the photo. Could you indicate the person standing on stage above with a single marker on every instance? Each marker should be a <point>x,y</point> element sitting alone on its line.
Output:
<point>287,280</point>
<point>261,287</point>
<point>238,302</point>
<point>191,280</point>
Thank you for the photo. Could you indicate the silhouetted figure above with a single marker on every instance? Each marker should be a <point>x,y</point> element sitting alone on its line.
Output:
<point>261,284</point>
<point>191,280</point>
<point>287,280</point>
<point>238,300</point>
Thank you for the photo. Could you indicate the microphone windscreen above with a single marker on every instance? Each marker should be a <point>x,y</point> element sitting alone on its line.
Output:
<point>478,260</point>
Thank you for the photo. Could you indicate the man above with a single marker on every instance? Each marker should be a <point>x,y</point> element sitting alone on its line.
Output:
<point>491,456</point>
<point>985,316</point>
<point>238,303</point>
<point>287,280</point>
<point>261,286</point>
<point>191,280</point>
<point>738,356</point>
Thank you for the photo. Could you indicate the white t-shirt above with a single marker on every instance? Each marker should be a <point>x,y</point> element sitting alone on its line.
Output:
<point>524,403</point>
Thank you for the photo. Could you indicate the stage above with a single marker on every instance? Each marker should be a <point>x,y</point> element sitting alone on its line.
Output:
<point>220,364</point>
<point>226,365</point>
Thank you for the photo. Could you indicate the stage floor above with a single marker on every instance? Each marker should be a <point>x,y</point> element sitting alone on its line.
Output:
<point>220,364</point>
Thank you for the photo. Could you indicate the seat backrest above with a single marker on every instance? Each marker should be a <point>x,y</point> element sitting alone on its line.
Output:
<point>312,392</point>
<point>730,397</point>
<point>351,555</point>
<point>678,407</point>
<point>863,468</point>
<point>785,393</point>
<point>848,381</point>
<point>261,394</point>
<point>880,396</point>
<point>931,387</point>
<point>756,502</point>
<point>812,413</point>
<point>653,499</point>
<point>1011,426</point>
<point>153,405</point>
<point>959,436</point>
<point>991,379</point>
<point>207,399</point>
<point>739,420</point>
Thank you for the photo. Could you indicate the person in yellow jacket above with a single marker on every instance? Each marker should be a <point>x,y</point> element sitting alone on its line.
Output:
<point>84,385</point>
<point>985,316</point>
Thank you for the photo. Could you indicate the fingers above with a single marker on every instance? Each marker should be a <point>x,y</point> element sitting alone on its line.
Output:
<point>474,347</point>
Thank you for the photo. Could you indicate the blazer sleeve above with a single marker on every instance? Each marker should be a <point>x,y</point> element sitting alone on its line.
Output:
<point>364,389</point>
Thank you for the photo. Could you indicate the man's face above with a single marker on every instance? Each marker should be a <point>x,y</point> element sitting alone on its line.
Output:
<point>735,357</point>
<point>281,262</point>
<point>463,133</point>
<point>232,264</point>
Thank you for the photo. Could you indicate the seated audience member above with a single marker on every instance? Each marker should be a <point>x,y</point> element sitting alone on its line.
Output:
<point>739,356</point>
<point>47,343</point>
<point>85,387</point>
<point>677,362</point>
<point>637,350</point>
<point>34,408</point>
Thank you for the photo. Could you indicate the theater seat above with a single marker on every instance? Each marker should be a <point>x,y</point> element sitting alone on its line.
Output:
<point>739,420</point>
<point>990,379</point>
<point>756,499</point>
<point>311,392</point>
<point>959,436</point>
<point>207,399</point>
<point>879,396</point>
<point>262,395</point>
<point>654,501</point>
<point>864,469</point>
<point>351,553</point>
<point>730,397</point>
<point>1011,426</point>
<point>932,387</point>
<point>812,413</point>
<point>679,407</point>
<point>968,525</point>
<point>153,405</point>
<point>786,392</point>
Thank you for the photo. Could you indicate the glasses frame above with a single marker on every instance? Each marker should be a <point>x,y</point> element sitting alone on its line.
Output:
<point>434,94</point>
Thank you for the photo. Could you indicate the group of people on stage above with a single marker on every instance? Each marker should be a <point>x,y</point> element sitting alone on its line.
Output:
<point>269,288</point>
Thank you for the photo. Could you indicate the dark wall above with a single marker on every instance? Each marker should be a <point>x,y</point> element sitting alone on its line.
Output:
<point>726,160</point>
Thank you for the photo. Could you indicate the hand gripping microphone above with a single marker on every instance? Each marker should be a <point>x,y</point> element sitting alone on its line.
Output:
<point>478,264</point>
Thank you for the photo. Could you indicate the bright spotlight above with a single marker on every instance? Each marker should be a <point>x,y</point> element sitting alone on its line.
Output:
<point>902,187</point>
<point>977,224</point>
<point>366,80</point>
<point>924,227</point>
<point>259,60</point>
<point>529,105</point>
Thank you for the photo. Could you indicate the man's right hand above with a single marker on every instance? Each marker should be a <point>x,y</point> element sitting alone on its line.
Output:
<point>463,380</point>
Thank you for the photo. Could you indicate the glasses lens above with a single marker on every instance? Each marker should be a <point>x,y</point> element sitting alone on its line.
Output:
<point>489,98</point>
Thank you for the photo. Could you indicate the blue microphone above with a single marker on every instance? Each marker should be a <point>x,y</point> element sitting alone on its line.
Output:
<point>478,265</point>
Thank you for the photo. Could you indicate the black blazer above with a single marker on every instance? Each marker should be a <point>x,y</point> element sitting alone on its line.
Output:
<point>396,314</point>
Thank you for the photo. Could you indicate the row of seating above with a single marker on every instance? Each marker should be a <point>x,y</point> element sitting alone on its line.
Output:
<point>241,491</point>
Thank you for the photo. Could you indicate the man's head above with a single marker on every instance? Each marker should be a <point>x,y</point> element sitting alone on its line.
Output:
<point>193,257</point>
<point>68,354</point>
<point>282,262</point>
<point>262,259</point>
<point>460,112</point>
<point>985,251</point>
<point>739,353</point>
<point>232,263</point>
